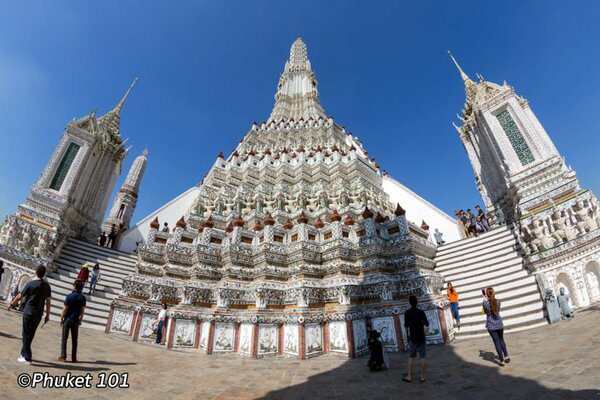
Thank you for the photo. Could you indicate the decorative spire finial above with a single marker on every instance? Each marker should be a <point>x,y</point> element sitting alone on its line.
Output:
<point>464,76</point>
<point>120,105</point>
<point>145,152</point>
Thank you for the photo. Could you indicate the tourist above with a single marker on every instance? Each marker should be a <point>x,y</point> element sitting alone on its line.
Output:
<point>376,361</point>
<point>453,297</point>
<point>464,233</point>
<point>111,236</point>
<point>563,302</point>
<point>166,228</point>
<point>160,320</point>
<point>1,270</point>
<point>415,322</point>
<point>102,239</point>
<point>494,325</point>
<point>473,228</point>
<point>70,319</point>
<point>37,294</point>
<point>464,217</point>
<point>84,273</point>
<point>95,278</point>
<point>482,219</point>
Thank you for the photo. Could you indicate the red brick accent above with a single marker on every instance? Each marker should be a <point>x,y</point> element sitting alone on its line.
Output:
<point>109,320</point>
<point>442,318</point>
<point>211,337</point>
<point>399,335</point>
<point>171,334</point>
<point>236,337</point>
<point>254,348</point>
<point>350,339</point>
<point>280,340</point>
<point>301,342</point>
<point>325,328</point>
<point>137,324</point>
<point>198,332</point>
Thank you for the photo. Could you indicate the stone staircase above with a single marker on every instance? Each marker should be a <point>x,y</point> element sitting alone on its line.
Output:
<point>114,266</point>
<point>492,259</point>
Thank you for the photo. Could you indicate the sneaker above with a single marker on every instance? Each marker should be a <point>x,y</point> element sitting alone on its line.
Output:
<point>22,360</point>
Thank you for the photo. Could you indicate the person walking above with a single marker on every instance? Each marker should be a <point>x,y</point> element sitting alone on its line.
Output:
<point>70,319</point>
<point>494,324</point>
<point>95,278</point>
<point>415,322</point>
<point>453,297</point>
<point>37,294</point>
<point>84,273</point>
<point>160,320</point>
<point>111,236</point>
<point>1,270</point>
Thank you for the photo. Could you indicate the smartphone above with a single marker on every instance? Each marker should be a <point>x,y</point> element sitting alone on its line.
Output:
<point>483,292</point>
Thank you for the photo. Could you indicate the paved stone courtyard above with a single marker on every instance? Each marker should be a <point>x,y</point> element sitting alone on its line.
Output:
<point>559,362</point>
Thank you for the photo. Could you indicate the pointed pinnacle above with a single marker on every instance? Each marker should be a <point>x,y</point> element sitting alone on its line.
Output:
<point>120,105</point>
<point>464,76</point>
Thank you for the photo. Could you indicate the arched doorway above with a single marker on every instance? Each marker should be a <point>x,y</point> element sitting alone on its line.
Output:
<point>5,284</point>
<point>592,280</point>
<point>563,281</point>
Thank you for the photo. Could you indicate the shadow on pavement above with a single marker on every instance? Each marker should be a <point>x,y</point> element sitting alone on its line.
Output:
<point>67,366</point>
<point>448,377</point>
<point>487,356</point>
<point>102,362</point>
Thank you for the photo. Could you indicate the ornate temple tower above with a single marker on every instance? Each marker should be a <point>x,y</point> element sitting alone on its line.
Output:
<point>71,195</point>
<point>516,165</point>
<point>126,199</point>
<point>291,247</point>
<point>518,169</point>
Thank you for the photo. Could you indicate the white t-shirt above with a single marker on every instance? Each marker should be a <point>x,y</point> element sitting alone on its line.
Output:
<point>162,315</point>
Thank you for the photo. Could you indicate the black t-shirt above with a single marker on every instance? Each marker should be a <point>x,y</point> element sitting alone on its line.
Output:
<point>416,320</point>
<point>35,294</point>
<point>75,303</point>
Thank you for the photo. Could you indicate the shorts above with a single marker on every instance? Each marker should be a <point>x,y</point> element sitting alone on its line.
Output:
<point>413,348</point>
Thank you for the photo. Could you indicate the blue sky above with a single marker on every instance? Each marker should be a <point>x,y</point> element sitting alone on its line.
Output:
<point>208,69</point>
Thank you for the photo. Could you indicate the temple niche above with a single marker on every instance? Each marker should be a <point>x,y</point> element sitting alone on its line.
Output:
<point>290,246</point>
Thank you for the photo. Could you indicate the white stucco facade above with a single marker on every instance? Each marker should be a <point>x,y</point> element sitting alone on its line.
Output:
<point>418,209</point>
<point>170,213</point>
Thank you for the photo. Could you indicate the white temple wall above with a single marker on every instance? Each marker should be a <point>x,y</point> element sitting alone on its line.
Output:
<point>170,213</point>
<point>419,209</point>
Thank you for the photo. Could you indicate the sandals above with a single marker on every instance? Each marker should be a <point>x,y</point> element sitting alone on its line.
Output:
<point>405,379</point>
<point>507,360</point>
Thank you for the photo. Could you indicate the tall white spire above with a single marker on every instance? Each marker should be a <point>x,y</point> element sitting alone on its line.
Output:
<point>124,204</point>
<point>297,95</point>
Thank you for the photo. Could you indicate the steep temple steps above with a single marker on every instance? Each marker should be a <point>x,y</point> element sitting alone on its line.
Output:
<point>492,259</point>
<point>114,266</point>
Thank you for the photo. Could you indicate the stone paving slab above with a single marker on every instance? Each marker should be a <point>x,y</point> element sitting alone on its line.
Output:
<point>553,362</point>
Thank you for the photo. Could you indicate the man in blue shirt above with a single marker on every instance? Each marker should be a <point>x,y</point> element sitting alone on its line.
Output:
<point>70,319</point>
<point>37,294</point>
